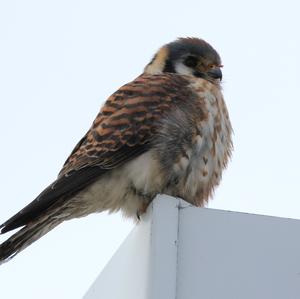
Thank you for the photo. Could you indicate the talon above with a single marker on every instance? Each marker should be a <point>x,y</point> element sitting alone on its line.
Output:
<point>142,210</point>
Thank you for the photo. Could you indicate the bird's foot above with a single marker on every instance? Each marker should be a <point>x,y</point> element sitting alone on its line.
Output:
<point>142,210</point>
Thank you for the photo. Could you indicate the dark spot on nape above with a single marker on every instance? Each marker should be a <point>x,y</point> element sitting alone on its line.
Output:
<point>169,67</point>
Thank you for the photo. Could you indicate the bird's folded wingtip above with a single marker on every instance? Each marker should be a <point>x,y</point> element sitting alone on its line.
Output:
<point>3,228</point>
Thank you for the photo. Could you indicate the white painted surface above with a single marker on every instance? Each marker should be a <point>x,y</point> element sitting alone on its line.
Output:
<point>182,252</point>
<point>234,255</point>
<point>146,259</point>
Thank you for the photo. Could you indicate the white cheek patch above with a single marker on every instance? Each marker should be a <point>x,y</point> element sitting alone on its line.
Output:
<point>182,69</point>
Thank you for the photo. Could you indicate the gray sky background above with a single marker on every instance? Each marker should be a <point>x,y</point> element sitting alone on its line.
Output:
<point>59,60</point>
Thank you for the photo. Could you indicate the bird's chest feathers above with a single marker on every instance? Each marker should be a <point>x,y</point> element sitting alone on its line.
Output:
<point>201,154</point>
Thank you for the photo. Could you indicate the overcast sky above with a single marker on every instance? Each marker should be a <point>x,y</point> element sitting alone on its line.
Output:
<point>60,60</point>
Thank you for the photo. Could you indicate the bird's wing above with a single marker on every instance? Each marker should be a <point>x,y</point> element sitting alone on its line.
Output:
<point>122,130</point>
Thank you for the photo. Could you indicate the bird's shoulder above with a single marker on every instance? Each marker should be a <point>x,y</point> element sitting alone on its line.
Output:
<point>127,121</point>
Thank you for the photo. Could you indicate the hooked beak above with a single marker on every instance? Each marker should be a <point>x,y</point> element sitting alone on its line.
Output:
<point>215,73</point>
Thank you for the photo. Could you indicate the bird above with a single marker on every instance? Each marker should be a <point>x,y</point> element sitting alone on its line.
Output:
<point>166,132</point>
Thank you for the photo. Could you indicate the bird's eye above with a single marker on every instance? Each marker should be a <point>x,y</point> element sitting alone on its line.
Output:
<point>191,61</point>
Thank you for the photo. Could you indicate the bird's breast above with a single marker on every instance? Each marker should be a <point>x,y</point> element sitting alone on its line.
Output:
<point>194,145</point>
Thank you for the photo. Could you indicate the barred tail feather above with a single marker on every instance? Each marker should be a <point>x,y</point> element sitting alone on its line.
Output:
<point>26,236</point>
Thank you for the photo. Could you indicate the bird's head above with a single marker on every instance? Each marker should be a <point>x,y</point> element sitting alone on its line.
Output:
<point>187,56</point>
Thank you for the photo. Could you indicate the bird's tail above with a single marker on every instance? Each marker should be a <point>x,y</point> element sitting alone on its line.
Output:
<point>27,235</point>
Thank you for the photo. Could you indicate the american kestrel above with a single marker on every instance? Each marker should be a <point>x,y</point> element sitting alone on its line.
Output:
<point>168,131</point>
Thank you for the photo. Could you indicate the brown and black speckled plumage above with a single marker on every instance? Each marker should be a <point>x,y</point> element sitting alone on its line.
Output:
<point>128,120</point>
<point>168,131</point>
